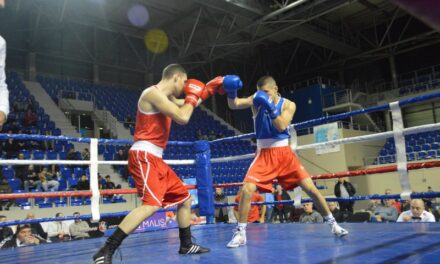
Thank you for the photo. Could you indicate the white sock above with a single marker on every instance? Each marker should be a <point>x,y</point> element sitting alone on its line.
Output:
<point>242,227</point>
<point>330,219</point>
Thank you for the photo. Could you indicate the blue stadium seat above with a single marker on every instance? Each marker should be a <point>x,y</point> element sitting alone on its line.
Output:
<point>8,173</point>
<point>15,184</point>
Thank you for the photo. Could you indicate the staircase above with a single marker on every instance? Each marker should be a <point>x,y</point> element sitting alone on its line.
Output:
<point>63,123</point>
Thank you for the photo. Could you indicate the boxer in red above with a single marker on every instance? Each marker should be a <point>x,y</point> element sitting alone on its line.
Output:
<point>157,184</point>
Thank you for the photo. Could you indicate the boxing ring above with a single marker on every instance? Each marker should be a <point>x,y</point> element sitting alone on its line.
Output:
<point>282,243</point>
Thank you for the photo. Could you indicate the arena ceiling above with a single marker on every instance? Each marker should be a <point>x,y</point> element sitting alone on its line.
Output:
<point>292,37</point>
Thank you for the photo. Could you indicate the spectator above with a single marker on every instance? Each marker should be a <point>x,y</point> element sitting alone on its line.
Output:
<point>37,229</point>
<point>58,231</point>
<point>372,206</point>
<point>282,210</point>
<point>310,215</point>
<point>48,181</point>
<point>47,144</point>
<point>83,185</point>
<point>333,206</point>
<point>429,201</point>
<point>23,237</point>
<point>5,231</point>
<point>394,203</point>
<point>345,189</point>
<point>212,135</point>
<point>386,212</point>
<point>20,170</point>
<point>270,212</point>
<point>101,182</point>
<point>220,213</point>
<point>29,119</point>
<point>417,213</point>
<point>5,188</point>
<point>80,229</point>
<point>85,154</point>
<point>71,155</point>
<point>257,212</point>
<point>111,185</point>
<point>32,181</point>
<point>11,148</point>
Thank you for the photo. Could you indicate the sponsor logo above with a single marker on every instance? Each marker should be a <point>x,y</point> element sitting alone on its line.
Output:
<point>195,87</point>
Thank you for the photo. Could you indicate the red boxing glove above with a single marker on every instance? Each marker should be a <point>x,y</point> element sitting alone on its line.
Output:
<point>213,86</point>
<point>193,90</point>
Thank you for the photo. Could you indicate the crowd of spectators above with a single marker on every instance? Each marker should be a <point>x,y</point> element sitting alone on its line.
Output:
<point>386,210</point>
<point>56,231</point>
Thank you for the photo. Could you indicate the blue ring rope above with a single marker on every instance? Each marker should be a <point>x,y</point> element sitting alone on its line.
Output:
<point>337,117</point>
<point>414,195</point>
<point>82,217</point>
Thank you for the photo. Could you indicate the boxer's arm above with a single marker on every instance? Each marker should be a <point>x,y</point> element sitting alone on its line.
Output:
<point>180,115</point>
<point>283,121</point>
<point>178,102</point>
<point>240,103</point>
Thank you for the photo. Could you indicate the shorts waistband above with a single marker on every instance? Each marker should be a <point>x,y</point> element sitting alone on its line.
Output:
<point>272,143</point>
<point>148,147</point>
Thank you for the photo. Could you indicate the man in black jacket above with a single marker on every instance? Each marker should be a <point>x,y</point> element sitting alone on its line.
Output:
<point>282,209</point>
<point>5,231</point>
<point>344,189</point>
<point>23,237</point>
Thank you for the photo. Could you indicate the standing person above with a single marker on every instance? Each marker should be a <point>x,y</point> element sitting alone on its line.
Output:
<point>274,158</point>
<point>345,189</point>
<point>4,93</point>
<point>157,184</point>
<point>282,209</point>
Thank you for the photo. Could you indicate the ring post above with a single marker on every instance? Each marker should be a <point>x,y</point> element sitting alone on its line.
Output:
<point>204,180</point>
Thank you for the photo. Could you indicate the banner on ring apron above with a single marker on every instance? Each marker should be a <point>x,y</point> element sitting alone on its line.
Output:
<point>324,133</point>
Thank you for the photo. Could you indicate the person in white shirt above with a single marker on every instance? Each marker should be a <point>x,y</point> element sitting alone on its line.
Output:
<point>58,231</point>
<point>4,93</point>
<point>417,213</point>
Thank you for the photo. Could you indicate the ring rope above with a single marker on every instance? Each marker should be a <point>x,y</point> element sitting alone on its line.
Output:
<point>338,117</point>
<point>413,195</point>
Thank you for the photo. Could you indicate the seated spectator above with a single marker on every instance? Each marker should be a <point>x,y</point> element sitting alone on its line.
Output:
<point>220,213</point>
<point>83,185</point>
<point>417,213</point>
<point>85,154</point>
<point>386,212</point>
<point>111,185</point>
<point>5,188</point>
<point>333,206</point>
<point>257,212</point>
<point>310,215</point>
<point>58,231</point>
<point>37,229</point>
<point>212,135</point>
<point>372,206</point>
<point>29,119</point>
<point>47,144</point>
<point>11,148</point>
<point>101,182</point>
<point>282,210</point>
<point>48,180</point>
<point>20,170</point>
<point>32,181</point>
<point>395,203</point>
<point>71,155</point>
<point>429,201</point>
<point>23,237</point>
<point>5,231</point>
<point>80,229</point>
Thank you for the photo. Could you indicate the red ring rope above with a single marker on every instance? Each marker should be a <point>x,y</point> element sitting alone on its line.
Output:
<point>391,168</point>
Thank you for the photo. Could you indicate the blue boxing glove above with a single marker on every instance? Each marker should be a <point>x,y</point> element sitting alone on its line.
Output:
<point>231,84</point>
<point>262,99</point>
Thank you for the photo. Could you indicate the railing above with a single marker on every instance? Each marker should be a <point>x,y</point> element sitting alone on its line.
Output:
<point>388,159</point>
<point>343,125</point>
<point>66,94</point>
<point>337,98</point>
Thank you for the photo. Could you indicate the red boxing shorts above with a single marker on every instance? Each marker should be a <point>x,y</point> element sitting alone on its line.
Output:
<point>156,183</point>
<point>278,163</point>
